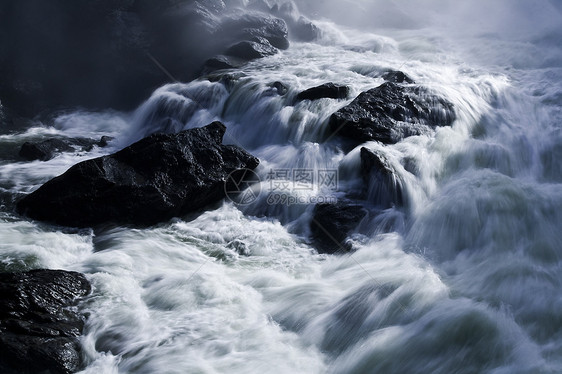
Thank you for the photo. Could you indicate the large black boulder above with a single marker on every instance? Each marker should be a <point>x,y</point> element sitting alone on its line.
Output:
<point>390,113</point>
<point>157,178</point>
<point>332,223</point>
<point>326,90</point>
<point>38,327</point>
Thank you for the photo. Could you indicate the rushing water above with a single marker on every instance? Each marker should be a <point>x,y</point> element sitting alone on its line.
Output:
<point>468,281</point>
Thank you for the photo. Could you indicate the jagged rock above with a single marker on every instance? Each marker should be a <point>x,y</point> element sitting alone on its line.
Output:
<point>47,149</point>
<point>327,90</point>
<point>300,27</point>
<point>332,223</point>
<point>396,76</point>
<point>390,113</point>
<point>38,328</point>
<point>250,26</point>
<point>152,180</point>
<point>383,186</point>
<point>252,49</point>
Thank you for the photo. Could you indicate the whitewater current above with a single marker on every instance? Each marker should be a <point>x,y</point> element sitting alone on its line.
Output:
<point>469,279</point>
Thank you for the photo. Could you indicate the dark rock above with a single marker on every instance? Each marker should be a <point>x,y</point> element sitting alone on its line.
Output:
<point>44,150</point>
<point>157,178</point>
<point>252,49</point>
<point>249,26</point>
<point>300,27</point>
<point>396,76</point>
<point>332,223</point>
<point>47,149</point>
<point>390,113</point>
<point>383,186</point>
<point>104,141</point>
<point>38,328</point>
<point>281,88</point>
<point>327,90</point>
<point>221,62</point>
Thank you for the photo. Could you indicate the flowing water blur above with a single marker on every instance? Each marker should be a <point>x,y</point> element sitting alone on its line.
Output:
<point>469,281</point>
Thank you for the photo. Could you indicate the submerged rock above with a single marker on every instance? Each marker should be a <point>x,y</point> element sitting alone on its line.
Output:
<point>38,328</point>
<point>47,149</point>
<point>332,223</point>
<point>280,87</point>
<point>155,179</point>
<point>390,113</point>
<point>327,90</point>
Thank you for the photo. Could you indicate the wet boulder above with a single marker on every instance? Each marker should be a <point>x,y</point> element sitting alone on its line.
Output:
<point>152,180</point>
<point>390,113</point>
<point>258,47</point>
<point>247,26</point>
<point>331,224</point>
<point>39,330</point>
<point>326,90</point>
<point>383,186</point>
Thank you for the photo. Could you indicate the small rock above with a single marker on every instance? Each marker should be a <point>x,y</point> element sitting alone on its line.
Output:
<point>396,76</point>
<point>104,141</point>
<point>327,90</point>
<point>221,62</point>
<point>47,149</point>
<point>281,88</point>
<point>332,223</point>
<point>252,49</point>
<point>44,150</point>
